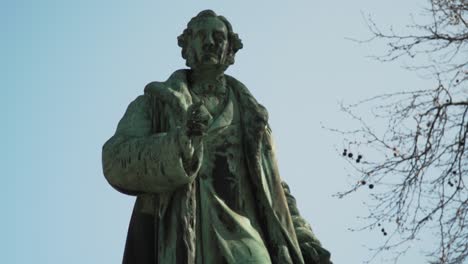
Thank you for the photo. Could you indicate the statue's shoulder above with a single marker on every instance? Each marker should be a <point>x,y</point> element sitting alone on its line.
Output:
<point>236,84</point>
<point>177,82</point>
<point>239,88</point>
<point>154,88</point>
<point>248,102</point>
<point>174,91</point>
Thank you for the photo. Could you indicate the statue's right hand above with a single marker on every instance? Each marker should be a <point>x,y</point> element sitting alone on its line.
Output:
<point>198,118</point>
<point>196,125</point>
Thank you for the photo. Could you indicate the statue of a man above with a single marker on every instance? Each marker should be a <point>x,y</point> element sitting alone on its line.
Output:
<point>197,152</point>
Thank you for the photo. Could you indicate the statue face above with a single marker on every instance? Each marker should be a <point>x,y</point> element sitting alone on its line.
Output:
<point>209,43</point>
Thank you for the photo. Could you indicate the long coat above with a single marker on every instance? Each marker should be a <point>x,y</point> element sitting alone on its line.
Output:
<point>143,159</point>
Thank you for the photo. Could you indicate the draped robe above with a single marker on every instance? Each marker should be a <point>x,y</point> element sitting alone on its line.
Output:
<point>143,159</point>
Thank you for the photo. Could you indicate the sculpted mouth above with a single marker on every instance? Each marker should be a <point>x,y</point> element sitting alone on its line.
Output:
<point>210,53</point>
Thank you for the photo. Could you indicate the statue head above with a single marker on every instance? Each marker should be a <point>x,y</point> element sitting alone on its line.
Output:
<point>209,41</point>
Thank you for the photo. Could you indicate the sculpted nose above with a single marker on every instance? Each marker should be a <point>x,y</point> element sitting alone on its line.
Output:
<point>208,40</point>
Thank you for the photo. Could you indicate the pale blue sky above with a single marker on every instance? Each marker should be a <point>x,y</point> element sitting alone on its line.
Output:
<point>70,68</point>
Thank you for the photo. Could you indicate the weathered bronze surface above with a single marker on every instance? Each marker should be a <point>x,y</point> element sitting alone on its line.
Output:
<point>198,153</point>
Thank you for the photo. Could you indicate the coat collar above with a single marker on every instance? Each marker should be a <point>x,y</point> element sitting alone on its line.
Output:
<point>175,92</point>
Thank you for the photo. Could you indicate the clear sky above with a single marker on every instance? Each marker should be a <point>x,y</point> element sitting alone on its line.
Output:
<point>69,69</point>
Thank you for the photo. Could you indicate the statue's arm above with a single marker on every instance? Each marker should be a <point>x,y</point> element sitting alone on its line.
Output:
<point>311,248</point>
<point>136,160</point>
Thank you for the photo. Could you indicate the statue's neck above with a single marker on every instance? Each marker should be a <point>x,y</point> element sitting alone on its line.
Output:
<point>206,75</point>
<point>207,81</point>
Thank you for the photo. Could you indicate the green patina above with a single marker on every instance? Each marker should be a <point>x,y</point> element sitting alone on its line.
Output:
<point>198,153</point>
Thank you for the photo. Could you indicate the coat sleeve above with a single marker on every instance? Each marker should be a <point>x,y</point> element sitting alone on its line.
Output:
<point>136,160</point>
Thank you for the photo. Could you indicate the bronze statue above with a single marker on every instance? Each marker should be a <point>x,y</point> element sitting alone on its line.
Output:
<point>197,152</point>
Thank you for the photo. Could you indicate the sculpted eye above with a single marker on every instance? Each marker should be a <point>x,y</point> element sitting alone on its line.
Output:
<point>200,34</point>
<point>219,36</point>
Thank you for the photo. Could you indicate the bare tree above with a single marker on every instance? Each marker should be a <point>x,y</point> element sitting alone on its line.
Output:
<point>417,167</point>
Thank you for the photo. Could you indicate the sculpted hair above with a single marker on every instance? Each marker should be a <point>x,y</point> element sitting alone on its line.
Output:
<point>234,42</point>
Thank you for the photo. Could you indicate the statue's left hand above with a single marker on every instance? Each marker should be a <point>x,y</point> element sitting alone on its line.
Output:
<point>315,254</point>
